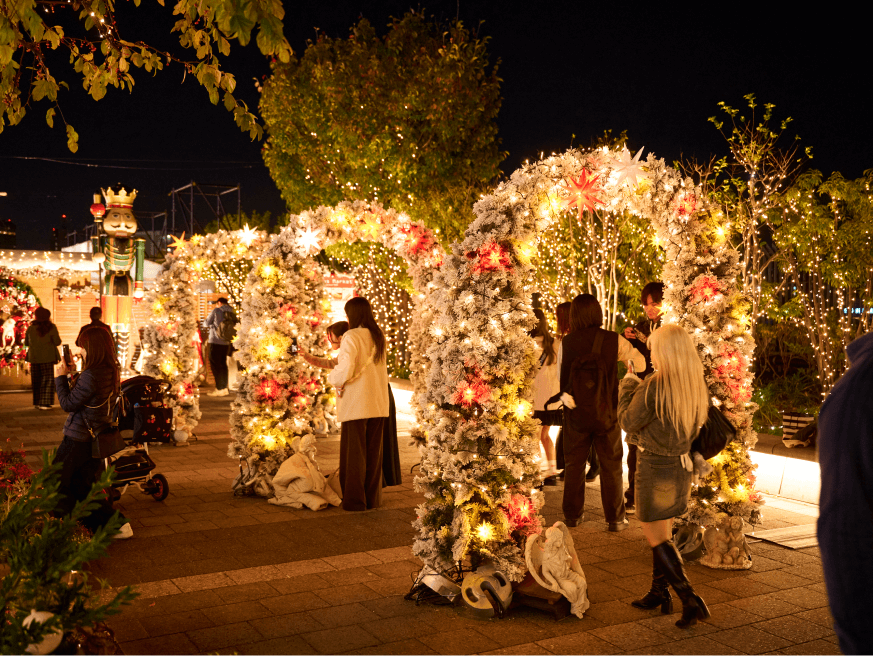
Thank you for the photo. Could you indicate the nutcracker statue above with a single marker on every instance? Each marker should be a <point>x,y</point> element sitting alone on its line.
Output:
<point>118,252</point>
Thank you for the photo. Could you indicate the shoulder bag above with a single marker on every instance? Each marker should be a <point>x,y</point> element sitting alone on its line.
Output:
<point>109,440</point>
<point>714,435</point>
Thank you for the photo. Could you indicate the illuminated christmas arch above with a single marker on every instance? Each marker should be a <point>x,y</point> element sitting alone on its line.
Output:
<point>171,339</point>
<point>281,398</point>
<point>480,466</point>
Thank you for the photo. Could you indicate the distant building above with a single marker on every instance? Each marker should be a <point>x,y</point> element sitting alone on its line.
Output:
<point>7,233</point>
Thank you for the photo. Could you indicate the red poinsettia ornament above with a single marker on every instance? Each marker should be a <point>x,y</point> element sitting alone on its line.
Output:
<point>583,193</point>
<point>491,256</point>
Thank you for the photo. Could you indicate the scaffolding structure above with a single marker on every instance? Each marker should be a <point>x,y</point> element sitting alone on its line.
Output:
<point>192,208</point>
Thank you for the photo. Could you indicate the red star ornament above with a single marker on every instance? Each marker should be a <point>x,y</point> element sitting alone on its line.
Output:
<point>583,193</point>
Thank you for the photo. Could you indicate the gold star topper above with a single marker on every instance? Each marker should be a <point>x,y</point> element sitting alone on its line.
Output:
<point>371,225</point>
<point>178,243</point>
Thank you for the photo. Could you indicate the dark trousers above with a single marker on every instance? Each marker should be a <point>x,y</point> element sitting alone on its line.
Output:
<point>42,380</point>
<point>360,470</point>
<point>847,560</point>
<point>631,472</point>
<point>218,363</point>
<point>577,447</point>
<point>78,473</point>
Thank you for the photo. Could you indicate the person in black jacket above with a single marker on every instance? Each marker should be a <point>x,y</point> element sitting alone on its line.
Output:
<point>89,401</point>
<point>651,297</point>
<point>585,337</point>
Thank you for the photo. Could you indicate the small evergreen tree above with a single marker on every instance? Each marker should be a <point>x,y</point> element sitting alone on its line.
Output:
<point>45,556</point>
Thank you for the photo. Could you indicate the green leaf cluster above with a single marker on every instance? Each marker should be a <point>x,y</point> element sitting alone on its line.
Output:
<point>408,119</point>
<point>103,57</point>
<point>45,556</point>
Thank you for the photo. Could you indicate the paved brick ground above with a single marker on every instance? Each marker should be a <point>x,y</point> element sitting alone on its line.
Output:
<point>219,574</point>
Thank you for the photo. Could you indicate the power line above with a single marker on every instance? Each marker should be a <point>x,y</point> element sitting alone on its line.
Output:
<point>240,165</point>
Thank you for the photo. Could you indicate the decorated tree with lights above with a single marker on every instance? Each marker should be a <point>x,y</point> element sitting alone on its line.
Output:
<point>14,295</point>
<point>282,399</point>
<point>480,456</point>
<point>823,229</point>
<point>593,248</point>
<point>171,339</point>
<point>747,185</point>
<point>408,120</point>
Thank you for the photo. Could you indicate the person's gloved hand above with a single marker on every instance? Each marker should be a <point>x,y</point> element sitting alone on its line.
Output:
<point>568,400</point>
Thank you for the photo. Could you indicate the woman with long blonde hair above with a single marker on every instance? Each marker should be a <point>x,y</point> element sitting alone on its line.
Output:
<point>662,416</point>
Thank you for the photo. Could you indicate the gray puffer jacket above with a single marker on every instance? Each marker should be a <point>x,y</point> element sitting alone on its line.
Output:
<point>636,416</point>
<point>87,399</point>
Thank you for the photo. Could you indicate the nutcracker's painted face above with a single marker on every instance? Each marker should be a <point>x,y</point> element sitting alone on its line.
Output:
<point>119,222</point>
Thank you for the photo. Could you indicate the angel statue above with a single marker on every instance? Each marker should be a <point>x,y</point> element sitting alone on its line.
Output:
<point>554,565</point>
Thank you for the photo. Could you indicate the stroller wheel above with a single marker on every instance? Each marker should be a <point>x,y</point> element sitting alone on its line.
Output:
<point>160,488</point>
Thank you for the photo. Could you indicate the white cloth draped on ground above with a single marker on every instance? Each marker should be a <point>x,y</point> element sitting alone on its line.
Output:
<point>299,482</point>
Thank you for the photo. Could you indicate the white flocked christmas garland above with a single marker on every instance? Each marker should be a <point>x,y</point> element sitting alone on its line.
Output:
<point>480,459</point>
<point>169,339</point>
<point>281,398</point>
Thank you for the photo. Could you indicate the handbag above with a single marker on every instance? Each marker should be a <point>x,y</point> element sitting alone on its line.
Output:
<point>714,435</point>
<point>108,441</point>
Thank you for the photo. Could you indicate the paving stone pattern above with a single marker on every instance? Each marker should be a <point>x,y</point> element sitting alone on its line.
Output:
<point>222,574</point>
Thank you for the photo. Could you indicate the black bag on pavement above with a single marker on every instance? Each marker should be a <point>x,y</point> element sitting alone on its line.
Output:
<point>714,435</point>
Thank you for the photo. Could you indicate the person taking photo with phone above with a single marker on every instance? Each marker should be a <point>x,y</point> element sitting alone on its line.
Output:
<point>652,297</point>
<point>360,378</point>
<point>89,401</point>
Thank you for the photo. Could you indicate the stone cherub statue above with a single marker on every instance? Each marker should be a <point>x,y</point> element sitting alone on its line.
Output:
<point>554,565</point>
<point>726,546</point>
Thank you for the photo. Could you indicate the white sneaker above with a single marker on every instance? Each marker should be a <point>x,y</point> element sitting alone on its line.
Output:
<point>218,392</point>
<point>124,532</point>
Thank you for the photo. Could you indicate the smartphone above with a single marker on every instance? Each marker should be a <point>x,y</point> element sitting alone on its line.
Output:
<point>68,357</point>
<point>292,350</point>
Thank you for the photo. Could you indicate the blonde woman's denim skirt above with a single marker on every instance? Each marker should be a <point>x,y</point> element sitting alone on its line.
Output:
<point>662,487</point>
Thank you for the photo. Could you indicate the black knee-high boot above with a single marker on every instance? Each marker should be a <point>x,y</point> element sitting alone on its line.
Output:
<point>659,595</point>
<point>668,560</point>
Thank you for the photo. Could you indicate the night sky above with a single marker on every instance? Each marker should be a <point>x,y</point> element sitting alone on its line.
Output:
<point>580,68</point>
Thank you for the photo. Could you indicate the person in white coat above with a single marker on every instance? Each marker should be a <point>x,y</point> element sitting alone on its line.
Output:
<point>361,381</point>
<point>546,385</point>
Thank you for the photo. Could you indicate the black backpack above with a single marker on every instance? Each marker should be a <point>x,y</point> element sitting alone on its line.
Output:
<point>589,387</point>
<point>227,327</point>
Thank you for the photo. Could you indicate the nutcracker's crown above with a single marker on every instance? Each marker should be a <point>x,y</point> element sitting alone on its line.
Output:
<point>121,199</point>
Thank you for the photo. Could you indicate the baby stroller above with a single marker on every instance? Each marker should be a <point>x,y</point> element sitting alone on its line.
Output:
<point>142,418</point>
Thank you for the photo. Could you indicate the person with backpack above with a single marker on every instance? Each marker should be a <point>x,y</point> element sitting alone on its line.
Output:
<point>662,415</point>
<point>588,363</point>
<point>221,323</point>
<point>651,297</point>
